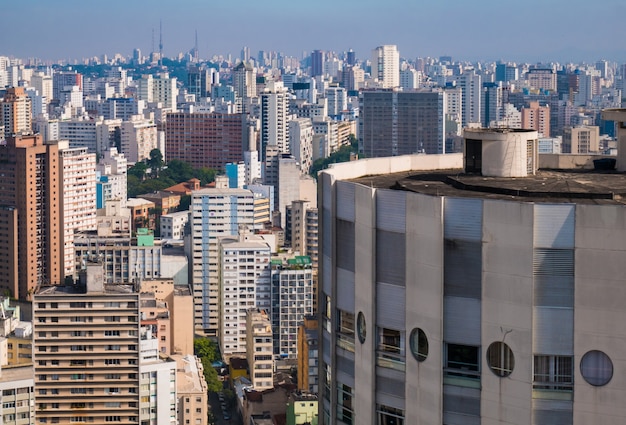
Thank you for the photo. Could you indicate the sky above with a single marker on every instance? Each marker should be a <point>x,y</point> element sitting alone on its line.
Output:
<point>521,31</point>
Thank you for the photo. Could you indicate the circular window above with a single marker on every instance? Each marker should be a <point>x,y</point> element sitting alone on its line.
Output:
<point>419,344</point>
<point>500,359</point>
<point>360,327</point>
<point>596,367</point>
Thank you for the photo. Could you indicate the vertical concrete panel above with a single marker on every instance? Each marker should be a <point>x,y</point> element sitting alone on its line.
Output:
<point>424,306</point>
<point>507,309</point>
<point>599,312</point>
<point>365,302</point>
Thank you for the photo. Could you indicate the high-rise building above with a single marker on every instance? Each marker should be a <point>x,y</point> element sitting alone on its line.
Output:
<point>161,89</point>
<point>301,229</point>
<point>317,63</point>
<point>78,168</point>
<point>492,106</point>
<point>274,117</point>
<point>96,361</point>
<point>199,82</point>
<point>138,137</point>
<point>244,80</point>
<point>541,79</point>
<point>205,139</point>
<point>43,84</point>
<point>471,303</point>
<point>63,79</point>
<point>471,88</point>
<point>401,122</point>
<point>536,117</point>
<point>301,142</point>
<point>292,300</point>
<point>386,66</point>
<point>214,212</point>
<point>259,350</point>
<point>86,352</point>
<point>244,284</point>
<point>16,112</point>
<point>30,192</point>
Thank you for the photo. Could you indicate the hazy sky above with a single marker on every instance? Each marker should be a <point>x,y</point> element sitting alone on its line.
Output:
<point>529,30</point>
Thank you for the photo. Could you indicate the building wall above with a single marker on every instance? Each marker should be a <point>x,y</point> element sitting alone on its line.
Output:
<point>470,272</point>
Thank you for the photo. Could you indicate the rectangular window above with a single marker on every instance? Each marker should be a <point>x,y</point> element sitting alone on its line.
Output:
<point>389,415</point>
<point>553,373</point>
<point>345,411</point>
<point>462,361</point>
<point>390,345</point>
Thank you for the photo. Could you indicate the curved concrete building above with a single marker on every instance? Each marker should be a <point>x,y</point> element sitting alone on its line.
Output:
<point>455,298</point>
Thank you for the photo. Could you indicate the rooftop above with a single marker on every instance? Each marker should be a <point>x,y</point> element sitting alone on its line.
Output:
<point>556,186</point>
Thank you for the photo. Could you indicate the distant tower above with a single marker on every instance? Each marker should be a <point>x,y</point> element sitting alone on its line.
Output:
<point>161,43</point>
<point>351,57</point>
<point>386,65</point>
<point>196,58</point>
<point>317,63</point>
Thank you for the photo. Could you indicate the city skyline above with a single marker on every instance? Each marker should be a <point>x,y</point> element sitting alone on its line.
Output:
<point>537,32</point>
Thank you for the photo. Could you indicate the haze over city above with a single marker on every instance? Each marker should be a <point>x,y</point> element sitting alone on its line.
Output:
<point>482,30</point>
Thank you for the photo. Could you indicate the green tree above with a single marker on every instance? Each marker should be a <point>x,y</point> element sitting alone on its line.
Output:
<point>138,170</point>
<point>155,162</point>
<point>205,348</point>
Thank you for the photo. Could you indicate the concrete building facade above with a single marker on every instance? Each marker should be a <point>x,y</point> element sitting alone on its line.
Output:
<point>459,305</point>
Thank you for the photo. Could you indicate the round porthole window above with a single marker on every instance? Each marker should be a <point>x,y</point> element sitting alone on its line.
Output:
<point>596,368</point>
<point>500,359</point>
<point>360,327</point>
<point>419,344</point>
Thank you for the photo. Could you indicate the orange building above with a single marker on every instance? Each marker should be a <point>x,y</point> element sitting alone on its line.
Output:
<point>30,196</point>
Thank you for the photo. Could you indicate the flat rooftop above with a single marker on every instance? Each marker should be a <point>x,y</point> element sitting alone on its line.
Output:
<point>594,187</point>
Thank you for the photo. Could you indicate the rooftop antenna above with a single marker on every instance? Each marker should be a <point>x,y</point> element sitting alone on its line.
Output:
<point>161,42</point>
<point>195,49</point>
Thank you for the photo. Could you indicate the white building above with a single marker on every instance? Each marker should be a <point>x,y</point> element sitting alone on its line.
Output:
<point>114,166</point>
<point>274,117</point>
<point>79,198</point>
<point>162,89</point>
<point>97,135</point>
<point>173,225</point>
<point>244,284</point>
<point>386,66</point>
<point>410,79</point>
<point>292,299</point>
<point>139,136</point>
<point>337,100</point>
<point>301,142</point>
<point>471,87</point>
<point>214,213</point>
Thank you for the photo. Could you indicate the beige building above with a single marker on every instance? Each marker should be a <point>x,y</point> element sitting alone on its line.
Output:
<point>179,302</point>
<point>536,117</point>
<point>87,353</point>
<point>581,140</point>
<point>541,79</point>
<point>193,396</point>
<point>259,349</point>
<point>17,406</point>
<point>16,112</point>
<point>30,192</point>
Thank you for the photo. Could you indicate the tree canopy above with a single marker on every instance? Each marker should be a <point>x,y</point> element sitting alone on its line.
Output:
<point>161,178</point>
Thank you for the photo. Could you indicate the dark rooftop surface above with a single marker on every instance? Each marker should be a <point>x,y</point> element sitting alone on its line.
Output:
<point>554,186</point>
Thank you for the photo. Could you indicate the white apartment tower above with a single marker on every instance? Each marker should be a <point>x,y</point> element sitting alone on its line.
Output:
<point>292,299</point>
<point>386,65</point>
<point>245,284</point>
<point>301,142</point>
<point>214,212</point>
<point>471,89</point>
<point>139,136</point>
<point>274,116</point>
<point>79,198</point>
